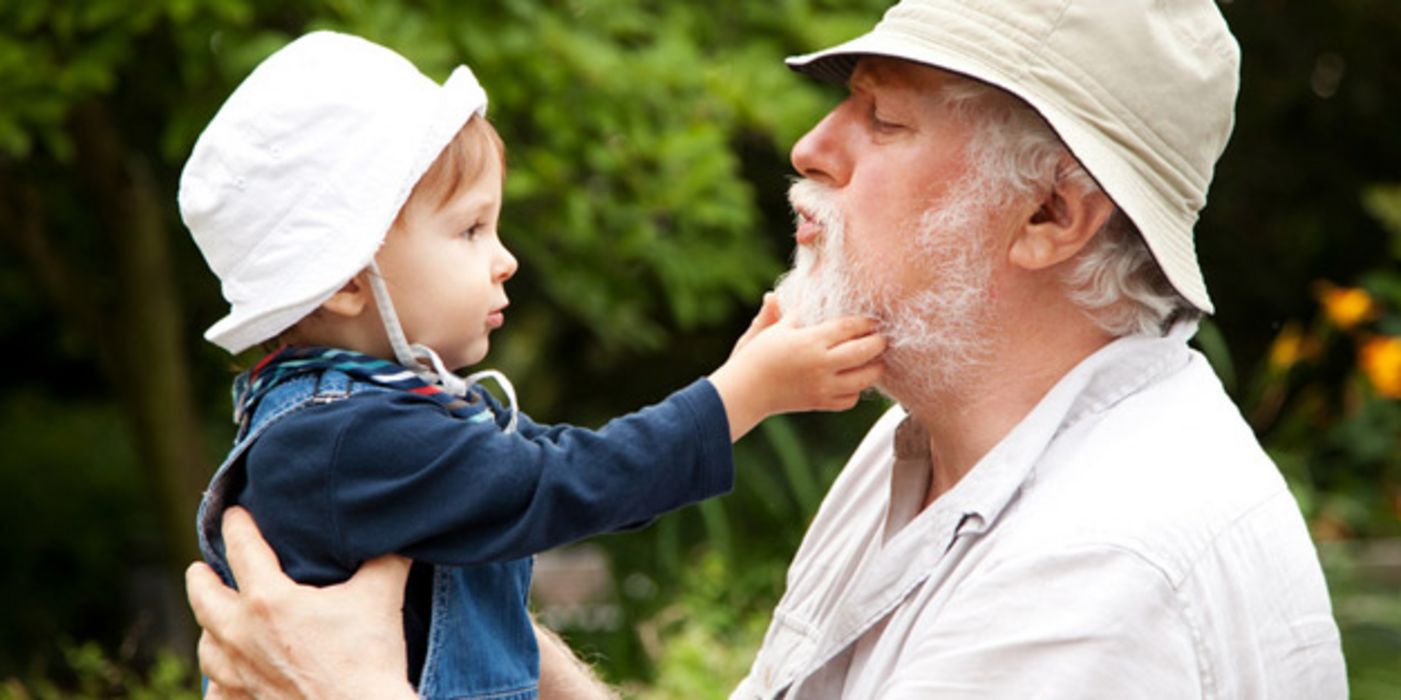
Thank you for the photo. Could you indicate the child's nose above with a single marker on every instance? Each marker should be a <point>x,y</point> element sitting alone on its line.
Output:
<point>505,265</point>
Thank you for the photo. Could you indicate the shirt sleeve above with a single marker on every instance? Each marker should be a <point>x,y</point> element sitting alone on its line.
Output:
<point>409,478</point>
<point>1095,623</point>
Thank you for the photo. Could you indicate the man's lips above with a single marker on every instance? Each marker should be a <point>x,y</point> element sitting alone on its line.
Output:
<point>808,229</point>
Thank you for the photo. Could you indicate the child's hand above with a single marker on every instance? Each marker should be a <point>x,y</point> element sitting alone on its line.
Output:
<point>769,314</point>
<point>777,367</point>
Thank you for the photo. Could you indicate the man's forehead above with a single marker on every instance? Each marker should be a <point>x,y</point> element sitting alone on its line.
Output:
<point>884,72</point>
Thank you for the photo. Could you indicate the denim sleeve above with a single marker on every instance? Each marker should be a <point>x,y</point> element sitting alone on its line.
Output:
<point>408,478</point>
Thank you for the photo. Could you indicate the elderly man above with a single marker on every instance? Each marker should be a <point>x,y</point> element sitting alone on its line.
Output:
<point>1065,503</point>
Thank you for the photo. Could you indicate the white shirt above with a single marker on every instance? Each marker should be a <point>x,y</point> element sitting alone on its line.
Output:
<point>1128,539</point>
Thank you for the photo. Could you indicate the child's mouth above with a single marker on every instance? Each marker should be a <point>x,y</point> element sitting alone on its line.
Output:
<point>496,318</point>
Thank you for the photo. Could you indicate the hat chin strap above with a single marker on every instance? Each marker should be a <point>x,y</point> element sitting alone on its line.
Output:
<point>422,361</point>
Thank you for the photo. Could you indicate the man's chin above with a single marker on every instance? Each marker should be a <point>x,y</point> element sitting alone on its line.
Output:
<point>789,292</point>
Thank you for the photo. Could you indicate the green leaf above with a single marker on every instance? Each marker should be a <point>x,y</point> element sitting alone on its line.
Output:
<point>1384,203</point>
<point>1212,344</point>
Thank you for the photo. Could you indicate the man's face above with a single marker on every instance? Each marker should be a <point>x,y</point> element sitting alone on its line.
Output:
<point>893,223</point>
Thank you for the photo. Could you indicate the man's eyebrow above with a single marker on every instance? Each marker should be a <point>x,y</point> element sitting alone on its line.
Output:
<point>867,76</point>
<point>870,76</point>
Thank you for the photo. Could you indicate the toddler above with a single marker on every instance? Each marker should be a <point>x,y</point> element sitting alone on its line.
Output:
<point>349,206</point>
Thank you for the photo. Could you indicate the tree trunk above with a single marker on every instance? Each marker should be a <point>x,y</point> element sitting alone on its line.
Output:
<point>152,373</point>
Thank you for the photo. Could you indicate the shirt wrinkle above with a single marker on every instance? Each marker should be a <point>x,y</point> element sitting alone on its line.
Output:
<point>1211,544</point>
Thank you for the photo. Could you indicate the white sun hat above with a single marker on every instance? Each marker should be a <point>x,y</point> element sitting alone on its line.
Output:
<point>1142,92</point>
<point>290,190</point>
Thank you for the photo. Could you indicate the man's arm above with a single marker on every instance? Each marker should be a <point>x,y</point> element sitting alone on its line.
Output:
<point>562,675</point>
<point>276,638</point>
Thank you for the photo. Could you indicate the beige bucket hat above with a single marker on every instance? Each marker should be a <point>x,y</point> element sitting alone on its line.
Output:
<point>1142,92</point>
<point>292,187</point>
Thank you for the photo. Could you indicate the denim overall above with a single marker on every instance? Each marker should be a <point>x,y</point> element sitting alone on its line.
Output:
<point>480,641</point>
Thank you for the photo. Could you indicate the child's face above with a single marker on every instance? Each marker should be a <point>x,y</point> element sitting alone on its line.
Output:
<point>446,269</point>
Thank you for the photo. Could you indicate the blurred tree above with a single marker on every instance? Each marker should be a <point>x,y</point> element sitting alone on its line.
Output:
<point>81,199</point>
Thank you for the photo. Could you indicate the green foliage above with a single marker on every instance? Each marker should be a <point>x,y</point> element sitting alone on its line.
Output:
<point>703,643</point>
<point>652,193</point>
<point>1213,345</point>
<point>54,56</point>
<point>1363,581</point>
<point>1384,203</point>
<point>72,525</point>
<point>97,675</point>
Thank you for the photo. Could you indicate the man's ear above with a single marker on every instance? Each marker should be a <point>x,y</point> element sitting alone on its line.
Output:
<point>1069,215</point>
<point>351,299</point>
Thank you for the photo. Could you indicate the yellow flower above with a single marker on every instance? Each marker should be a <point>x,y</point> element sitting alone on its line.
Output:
<point>1346,306</point>
<point>1380,359</point>
<point>1287,347</point>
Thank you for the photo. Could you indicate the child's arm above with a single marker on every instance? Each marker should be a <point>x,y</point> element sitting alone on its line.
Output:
<point>777,367</point>
<point>397,474</point>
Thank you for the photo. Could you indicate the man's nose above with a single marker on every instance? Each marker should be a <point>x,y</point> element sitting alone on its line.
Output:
<point>822,154</point>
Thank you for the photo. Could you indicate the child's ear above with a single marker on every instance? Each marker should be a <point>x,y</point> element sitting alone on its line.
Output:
<point>1070,214</point>
<point>350,300</point>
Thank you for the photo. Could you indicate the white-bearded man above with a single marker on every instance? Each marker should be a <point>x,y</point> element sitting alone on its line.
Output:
<point>1065,503</point>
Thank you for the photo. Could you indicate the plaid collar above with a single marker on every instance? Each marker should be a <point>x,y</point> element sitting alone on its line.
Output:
<point>290,361</point>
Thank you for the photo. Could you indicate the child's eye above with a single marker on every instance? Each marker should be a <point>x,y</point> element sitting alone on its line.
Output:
<point>472,231</point>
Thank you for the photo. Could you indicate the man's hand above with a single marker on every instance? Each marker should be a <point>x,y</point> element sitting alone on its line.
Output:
<point>275,638</point>
<point>777,367</point>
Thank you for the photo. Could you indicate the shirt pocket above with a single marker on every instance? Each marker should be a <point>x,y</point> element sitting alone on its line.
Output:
<point>1314,630</point>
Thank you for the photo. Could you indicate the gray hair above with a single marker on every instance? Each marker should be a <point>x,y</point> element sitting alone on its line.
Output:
<point>1114,279</point>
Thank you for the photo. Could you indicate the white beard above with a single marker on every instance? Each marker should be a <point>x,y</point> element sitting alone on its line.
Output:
<point>935,337</point>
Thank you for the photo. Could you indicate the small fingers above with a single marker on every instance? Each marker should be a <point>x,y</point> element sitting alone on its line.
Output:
<point>860,379</point>
<point>837,331</point>
<point>218,692</point>
<point>838,403</point>
<point>769,312</point>
<point>858,352</point>
<point>841,391</point>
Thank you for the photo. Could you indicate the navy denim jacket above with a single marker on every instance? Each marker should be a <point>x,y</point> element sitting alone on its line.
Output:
<point>337,471</point>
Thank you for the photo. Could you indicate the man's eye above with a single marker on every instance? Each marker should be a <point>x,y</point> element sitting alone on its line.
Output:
<point>882,124</point>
